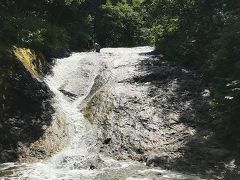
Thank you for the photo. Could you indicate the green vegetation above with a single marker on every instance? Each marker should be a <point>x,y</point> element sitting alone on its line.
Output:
<point>120,24</point>
<point>54,26</point>
<point>203,35</point>
<point>33,24</point>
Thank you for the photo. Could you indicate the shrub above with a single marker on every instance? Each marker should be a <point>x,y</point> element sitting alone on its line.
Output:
<point>35,33</point>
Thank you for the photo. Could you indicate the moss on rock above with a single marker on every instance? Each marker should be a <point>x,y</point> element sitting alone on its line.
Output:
<point>34,62</point>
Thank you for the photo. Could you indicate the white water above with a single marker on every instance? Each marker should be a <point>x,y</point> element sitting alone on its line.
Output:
<point>76,74</point>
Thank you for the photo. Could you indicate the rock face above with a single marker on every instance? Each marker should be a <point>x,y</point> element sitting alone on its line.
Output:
<point>26,111</point>
<point>154,111</point>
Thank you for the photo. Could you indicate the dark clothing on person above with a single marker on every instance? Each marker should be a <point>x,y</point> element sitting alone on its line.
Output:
<point>97,47</point>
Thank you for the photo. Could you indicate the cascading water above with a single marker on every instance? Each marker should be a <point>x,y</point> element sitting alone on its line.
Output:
<point>71,81</point>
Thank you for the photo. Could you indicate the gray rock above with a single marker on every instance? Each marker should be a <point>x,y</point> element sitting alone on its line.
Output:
<point>157,160</point>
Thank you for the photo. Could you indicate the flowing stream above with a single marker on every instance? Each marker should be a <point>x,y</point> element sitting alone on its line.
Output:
<point>71,81</point>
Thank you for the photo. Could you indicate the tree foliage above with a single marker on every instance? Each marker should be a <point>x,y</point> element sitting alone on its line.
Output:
<point>120,24</point>
<point>205,35</point>
<point>54,25</point>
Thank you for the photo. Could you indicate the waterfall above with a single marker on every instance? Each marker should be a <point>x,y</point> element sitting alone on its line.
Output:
<point>71,81</point>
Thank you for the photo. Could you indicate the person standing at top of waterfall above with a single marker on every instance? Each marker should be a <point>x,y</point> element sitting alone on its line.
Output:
<point>97,47</point>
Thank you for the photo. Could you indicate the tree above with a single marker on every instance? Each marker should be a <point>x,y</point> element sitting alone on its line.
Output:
<point>120,24</point>
<point>204,35</point>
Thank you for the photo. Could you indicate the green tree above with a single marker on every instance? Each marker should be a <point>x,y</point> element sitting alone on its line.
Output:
<point>205,36</point>
<point>120,24</point>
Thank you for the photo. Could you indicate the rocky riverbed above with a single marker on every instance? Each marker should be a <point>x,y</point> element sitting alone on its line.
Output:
<point>124,113</point>
<point>154,111</point>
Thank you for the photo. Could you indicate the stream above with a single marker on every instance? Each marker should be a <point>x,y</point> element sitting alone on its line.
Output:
<point>71,82</point>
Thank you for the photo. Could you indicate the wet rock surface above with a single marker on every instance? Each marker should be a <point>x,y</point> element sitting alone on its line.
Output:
<point>25,111</point>
<point>156,112</point>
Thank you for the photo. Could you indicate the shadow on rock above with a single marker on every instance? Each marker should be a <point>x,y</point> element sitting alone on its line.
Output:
<point>25,110</point>
<point>199,151</point>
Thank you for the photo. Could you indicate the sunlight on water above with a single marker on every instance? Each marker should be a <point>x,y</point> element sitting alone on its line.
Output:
<point>75,75</point>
